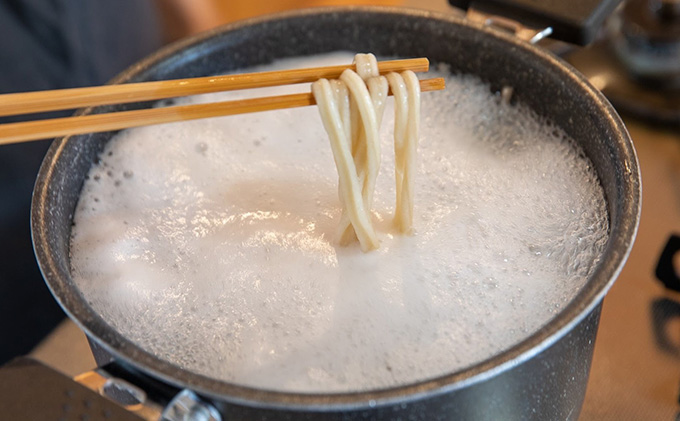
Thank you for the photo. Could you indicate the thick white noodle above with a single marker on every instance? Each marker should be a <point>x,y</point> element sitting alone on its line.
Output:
<point>342,99</point>
<point>351,110</point>
<point>349,187</point>
<point>406,91</point>
<point>367,102</point>
<point>366,65</point>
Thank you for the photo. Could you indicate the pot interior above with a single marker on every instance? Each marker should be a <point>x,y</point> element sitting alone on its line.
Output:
<point>540,81</point>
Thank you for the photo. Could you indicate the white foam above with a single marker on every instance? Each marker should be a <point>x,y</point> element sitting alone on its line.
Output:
<point>211,244</point>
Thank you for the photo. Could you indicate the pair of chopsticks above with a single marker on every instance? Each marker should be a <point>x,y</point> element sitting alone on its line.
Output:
<point>63,99</point>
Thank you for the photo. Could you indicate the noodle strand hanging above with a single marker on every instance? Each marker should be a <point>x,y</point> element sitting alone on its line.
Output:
<point>349,186</point>
<point>367,101</point>
<point>406,91</point>
<point>351,109</point>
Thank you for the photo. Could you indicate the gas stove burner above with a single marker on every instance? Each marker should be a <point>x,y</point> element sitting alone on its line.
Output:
<point>636,63</point>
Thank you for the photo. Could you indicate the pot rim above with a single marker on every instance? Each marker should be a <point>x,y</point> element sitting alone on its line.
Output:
<point>618,248</point>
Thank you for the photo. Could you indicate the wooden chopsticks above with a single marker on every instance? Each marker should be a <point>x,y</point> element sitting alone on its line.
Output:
<point>31,102</point>
<point>62,99</point>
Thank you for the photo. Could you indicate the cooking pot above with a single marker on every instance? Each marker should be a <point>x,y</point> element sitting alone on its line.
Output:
<point>543,377</point>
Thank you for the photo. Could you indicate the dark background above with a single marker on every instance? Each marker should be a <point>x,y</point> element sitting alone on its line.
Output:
<point>51,44</point>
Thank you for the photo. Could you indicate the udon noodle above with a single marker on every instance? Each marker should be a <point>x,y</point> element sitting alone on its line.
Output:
<point>351,109</point>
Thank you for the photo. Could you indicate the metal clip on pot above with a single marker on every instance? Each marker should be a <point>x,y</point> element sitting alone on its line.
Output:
<point>523,32</point>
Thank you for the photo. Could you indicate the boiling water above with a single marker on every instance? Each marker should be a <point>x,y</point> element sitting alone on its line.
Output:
<point>211,244</point>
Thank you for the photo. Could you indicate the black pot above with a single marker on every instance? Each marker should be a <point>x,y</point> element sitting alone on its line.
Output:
<point>543,377</point>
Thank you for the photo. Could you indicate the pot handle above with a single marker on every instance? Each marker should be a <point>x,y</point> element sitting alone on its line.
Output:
<point>146,397</point>
<point>574,22</point>
<point>32,390</point>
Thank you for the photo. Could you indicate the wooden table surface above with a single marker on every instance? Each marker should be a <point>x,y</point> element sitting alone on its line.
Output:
<point>633,377</point>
